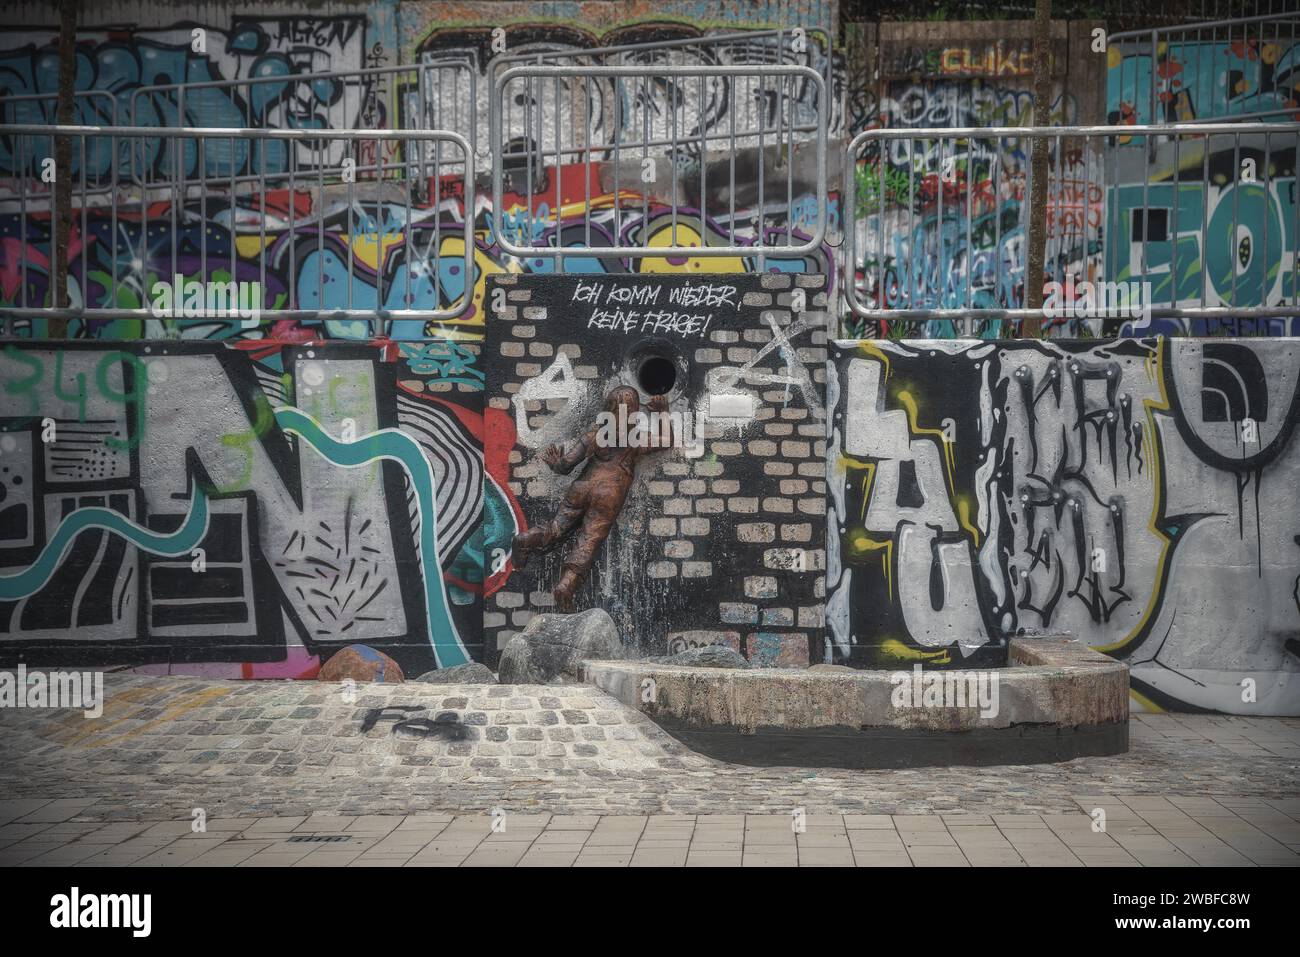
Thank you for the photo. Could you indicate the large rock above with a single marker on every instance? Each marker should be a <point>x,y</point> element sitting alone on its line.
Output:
<point>708,656</point>
<point>553,647</point>
<point>470,673</point>
<point>361,663</point>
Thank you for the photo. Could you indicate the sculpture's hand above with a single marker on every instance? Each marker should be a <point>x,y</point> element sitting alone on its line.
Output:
<point>553,456</point>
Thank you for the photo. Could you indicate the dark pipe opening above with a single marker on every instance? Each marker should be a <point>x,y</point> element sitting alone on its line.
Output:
<point>656,375</point>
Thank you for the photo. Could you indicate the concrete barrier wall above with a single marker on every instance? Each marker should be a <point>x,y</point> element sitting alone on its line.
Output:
<point>241,512</point>
<point>1142,495</point>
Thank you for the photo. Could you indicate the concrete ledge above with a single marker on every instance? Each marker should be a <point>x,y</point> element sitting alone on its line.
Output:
<point>1056,700</point>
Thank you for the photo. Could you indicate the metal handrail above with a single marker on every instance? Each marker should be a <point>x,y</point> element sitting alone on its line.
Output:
<point>295,182</point>
<point>588,150</point>
<point>1200,131</point>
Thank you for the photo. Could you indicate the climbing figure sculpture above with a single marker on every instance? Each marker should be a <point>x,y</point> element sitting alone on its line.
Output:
<point>593,502</point>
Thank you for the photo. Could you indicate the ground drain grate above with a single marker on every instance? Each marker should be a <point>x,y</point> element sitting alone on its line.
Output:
<point>317,838</point>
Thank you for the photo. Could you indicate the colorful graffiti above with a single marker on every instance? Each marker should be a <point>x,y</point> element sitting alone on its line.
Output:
<point>313,255</point>
<point>700,108</point>
<point>1217,244</point>
<point>131,65</point>
<point>1201,80</point>
<point>250,507</point>
<point>945,227</point>
<point>1131,493</point>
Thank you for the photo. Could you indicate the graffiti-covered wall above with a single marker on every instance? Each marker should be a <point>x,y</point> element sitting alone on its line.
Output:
<point>240,509</point>
<point>1140,495</point>
<point>913,218</point>
<point>133,75</point>
<point>715,535</point>
<point>1215,235</point>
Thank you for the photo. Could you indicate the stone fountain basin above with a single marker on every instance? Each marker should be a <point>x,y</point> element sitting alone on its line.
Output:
<point>1056,699</point>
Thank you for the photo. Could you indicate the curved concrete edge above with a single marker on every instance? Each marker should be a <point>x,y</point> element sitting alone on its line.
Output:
<point>1057,699</point>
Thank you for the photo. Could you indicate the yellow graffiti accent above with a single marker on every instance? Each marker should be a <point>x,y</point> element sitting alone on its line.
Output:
<point>76,732</point>
<point>872,351</point>
<point>250,247</point>
<point>1155,456</point>
<point>861,544</point>
<point>687,236</point>
<point>891,649</point>
<point>1145,703</point>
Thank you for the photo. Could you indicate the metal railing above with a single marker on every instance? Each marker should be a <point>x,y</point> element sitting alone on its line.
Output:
<point>1186,76</point>
<point>936,219</point>
<point>314,249</point>
<point>709,103</point>
<point>628,175</point>
<point>343,99</point>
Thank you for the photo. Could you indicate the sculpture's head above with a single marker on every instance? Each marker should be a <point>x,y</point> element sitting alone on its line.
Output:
<point>624,396</point>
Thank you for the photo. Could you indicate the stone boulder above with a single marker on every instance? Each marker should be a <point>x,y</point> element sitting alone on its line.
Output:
<point>708,656</point>
<point>470,673</point>
<point>361,663</point>
<point>553,647</point>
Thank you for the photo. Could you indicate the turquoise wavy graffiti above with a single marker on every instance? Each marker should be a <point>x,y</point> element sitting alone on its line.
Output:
<point>180,542</point>
<point>401,448</point>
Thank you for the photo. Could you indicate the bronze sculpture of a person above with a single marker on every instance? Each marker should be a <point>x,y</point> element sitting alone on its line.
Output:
<point>592,503</point>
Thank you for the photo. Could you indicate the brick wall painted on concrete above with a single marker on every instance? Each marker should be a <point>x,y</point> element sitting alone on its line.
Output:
<point>1142,495</point>
<point>720,543</point>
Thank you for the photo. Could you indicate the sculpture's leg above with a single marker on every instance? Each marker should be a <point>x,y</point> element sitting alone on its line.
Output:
<point>542,538</point>
<point>595,529</point>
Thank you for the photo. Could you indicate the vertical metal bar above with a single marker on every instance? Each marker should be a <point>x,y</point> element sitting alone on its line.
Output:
<point>178,194</point>
<point>704,162</point>
<point>731,162</point>
<point>380,308</point>
<point>942,266</point>
<point>672,159</point>
<point>1295,233</point>
<point>1266,183</point>
<point>558,238</point>
<point>645,147</point>
<point>203,216</point>
<point>586,159</point>
<point>995,185</point>
<point>319,208</point>
<point>789,163</point>
<point>617,120</point>
<point>112,214</point>
<point>970,222</point>
<point>261,219</point>
<point>293,232</point>
<point>911,216</point>
<point>1236,207</point>
<point>234,212</point>
<point>1205,216</point>
<point>759,235</point>
<point>881,179</point>
<point>21,169</point>
<point>351,221</point>
<point>408,247</point>
<point>1173,235</point>
<point>85,238</point>
<point>437,222</point>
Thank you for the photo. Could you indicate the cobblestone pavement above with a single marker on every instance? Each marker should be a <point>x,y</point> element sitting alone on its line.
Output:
<point>245,750</point>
